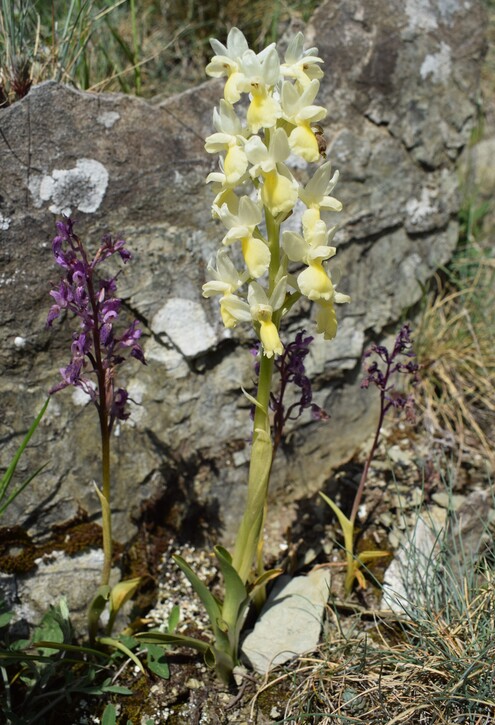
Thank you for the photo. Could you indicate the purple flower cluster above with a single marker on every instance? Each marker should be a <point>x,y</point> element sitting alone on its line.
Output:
<point>96,348</point>
<point>291,370</point>
<point>376,375</point>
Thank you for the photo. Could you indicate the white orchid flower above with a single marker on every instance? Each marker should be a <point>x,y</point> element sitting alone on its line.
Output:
<point>279,190</point>
<point>262,310</point>
<point>241,217</point>
<point>311,247</point>
<point>316,192</point>
<point>261,74</point>
<point>224,280</point>
<point>227,61</point>
<point>301,64</point>
<point>230,137</point>
<point>298,110</point>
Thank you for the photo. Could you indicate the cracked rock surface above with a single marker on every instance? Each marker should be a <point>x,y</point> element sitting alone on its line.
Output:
<point>401,89</point>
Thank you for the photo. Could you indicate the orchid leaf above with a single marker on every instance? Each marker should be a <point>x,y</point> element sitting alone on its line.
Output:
<point>96,608</point>
<point>111,642</point>
<point>173,619</point>
<point>119,595</point>
<point>209,602</point>
<point>365,556</point>
<point>235,592</point>
<point>164,638</point>
<point>70,648</point>
<point>156,661</point>
<point>109,716</point>
<point>263,579</point>
<point>345,523</point>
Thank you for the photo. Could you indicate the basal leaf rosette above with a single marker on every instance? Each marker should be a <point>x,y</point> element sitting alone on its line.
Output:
<point>256,190</point>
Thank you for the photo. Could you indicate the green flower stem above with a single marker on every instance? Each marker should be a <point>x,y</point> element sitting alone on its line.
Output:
<point>251,528</point>
<point>273,233</point>
<point>249,539</point>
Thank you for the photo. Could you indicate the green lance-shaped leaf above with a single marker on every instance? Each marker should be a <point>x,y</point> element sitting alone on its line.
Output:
<point>156,661</point>
<point>173,618</point>
<point>353,562</point>
<point>235,601</point>
<point>164,638</point>
<point>119,595</point>
<point>209,602</point>
<point>76,648</point>
<point>348,530</point>
<point>109,716</point>
<point>214,658</point>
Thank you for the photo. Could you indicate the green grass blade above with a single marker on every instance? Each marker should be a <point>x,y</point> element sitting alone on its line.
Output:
<point>7,477</point>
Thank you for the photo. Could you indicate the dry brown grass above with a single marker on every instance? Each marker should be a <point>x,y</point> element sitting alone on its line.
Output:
<point>455,346</point>
<point>439,669</point>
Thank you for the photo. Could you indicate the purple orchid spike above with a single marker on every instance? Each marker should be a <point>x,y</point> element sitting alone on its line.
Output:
<point>291,369</point>
<point>98,346</point>
<point>375,375</point>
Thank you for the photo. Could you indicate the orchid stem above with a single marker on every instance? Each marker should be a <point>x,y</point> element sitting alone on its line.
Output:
<point>249,543</point>
<point>364,476</point>
<point>106,513</point>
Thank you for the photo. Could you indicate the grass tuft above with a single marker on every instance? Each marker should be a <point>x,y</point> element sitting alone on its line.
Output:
<point>145,48</point>
<point>455,347</point>
<point>433,663</point>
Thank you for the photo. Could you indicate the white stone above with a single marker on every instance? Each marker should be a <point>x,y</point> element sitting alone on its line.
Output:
<point>172,359</point>
<point>290,622</point>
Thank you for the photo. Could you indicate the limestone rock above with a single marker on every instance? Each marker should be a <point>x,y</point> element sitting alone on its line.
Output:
<point>401,89</point>
<point>290,622</point>
<point>75,577</point>
<point>439,552</point>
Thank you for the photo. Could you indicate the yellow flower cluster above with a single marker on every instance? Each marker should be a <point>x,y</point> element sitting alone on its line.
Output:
<point>254,181</point>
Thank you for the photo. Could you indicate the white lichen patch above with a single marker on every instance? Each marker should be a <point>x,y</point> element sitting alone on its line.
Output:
<point>81,188</point>
<point>185,324</point>
<point>438,65</point>
<point>108,118</point>
<point>4,222</point>
<point>421,15</point>
<point>20,342</point>
<point>419,210</point>
<point>448,8</point>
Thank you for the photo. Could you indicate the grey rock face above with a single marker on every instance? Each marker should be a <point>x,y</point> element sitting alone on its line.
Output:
<point>400,86</point>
